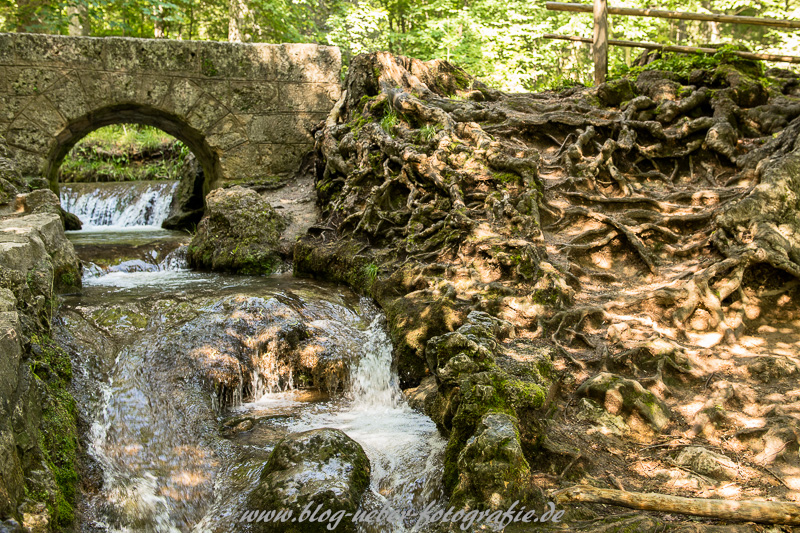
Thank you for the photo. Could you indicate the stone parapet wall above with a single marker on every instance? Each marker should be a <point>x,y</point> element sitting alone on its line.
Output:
<point>245,110</point>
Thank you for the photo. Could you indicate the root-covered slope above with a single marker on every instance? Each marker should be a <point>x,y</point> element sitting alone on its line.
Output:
<point>640,233</point>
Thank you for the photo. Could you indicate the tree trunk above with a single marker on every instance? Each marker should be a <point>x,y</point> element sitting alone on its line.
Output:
<point>79,22</point>
<point>236,15</point>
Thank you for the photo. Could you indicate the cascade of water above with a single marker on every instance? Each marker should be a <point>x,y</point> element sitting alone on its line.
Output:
<point>404,447</point>
<point>373,382</point>
<point>144,204</point>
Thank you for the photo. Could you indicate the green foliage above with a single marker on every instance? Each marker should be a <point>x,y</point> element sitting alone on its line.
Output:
<point>371,272</point>
<point>684,64</point>
<point>427,132</point>
<point>498,41</point>
<point>389,121</point>
<point>124,152</point>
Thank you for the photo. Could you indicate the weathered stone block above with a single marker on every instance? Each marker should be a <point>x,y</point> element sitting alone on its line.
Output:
<point>7,47</point>
<point>246,97</point>
<point>169,56</point>
<point>104,89</point>
<point>28,164</point>
<point>11,106</point>
<point>226,133</point>
<point>316,98</point>
<point>231,60</point>
<point>68,97</point>
<point>43,113</point>
<point>182,96</point>
<point>153,55</point>
<point>307,63</point>
<point>26,135</point>
<point>206,112</point>
<point>58,50</point>
<point>153,90</point>
<point>28,81</point>
<point>282,129</point>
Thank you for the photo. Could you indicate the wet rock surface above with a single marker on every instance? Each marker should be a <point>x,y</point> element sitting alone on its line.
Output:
<point>38,435</point>
<point>318,467</point>
<point>188,201</point>
<point>491,462</point>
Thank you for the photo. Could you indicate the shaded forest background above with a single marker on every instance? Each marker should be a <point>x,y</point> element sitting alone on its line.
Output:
<point>499,41</point>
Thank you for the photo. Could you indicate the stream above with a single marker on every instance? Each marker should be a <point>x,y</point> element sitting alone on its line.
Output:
<point>185,381</point>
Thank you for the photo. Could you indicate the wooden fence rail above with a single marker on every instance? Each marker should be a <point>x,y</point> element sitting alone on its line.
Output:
<point>680,49</point>
<point>681,15</point>
<point>600,39</point>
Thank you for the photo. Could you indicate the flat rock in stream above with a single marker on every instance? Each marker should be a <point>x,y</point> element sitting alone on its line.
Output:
<point>318,467</point>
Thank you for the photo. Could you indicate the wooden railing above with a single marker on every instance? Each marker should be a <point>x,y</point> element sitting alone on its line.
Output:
<point>600,40</point>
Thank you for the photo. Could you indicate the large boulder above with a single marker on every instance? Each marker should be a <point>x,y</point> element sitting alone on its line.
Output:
<point>37,418</point>
<point>34,244</point>
<point>322,467</point>
<point>240,233</point>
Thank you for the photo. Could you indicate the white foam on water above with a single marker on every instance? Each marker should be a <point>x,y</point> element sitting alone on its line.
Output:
<point>120,205</point>
<point>404,447</point>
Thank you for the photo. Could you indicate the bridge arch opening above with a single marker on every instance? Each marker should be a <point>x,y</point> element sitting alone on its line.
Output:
<point>134,114</point>
<point>192,201</point>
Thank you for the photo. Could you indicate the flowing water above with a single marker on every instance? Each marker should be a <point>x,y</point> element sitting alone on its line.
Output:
<point>186,380</point>
<point>140,204</point>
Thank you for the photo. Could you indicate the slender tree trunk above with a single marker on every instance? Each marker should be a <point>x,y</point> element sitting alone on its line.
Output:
<point>191,20</point>
<point>79,23</point>
<point>236,14</point>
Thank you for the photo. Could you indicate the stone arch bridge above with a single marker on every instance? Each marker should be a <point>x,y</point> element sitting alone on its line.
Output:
<point>244,109</point>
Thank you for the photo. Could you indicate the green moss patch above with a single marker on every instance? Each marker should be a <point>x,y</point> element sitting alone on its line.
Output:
<point>58,433</point>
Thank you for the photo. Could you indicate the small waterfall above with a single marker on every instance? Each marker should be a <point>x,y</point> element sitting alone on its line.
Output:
<point>374,384</point>
<point>125,204</point>
<point>403,446</point>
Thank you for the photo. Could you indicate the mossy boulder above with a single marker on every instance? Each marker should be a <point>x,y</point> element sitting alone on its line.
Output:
<point>615,92</point>
<point>240,233</point>
<point>491,466</point>
<point>472,384</point>
<point>318,467</point>
<point>747,91</point>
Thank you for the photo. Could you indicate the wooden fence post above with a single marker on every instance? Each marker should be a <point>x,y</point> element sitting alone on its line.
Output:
<point>600,41</point>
